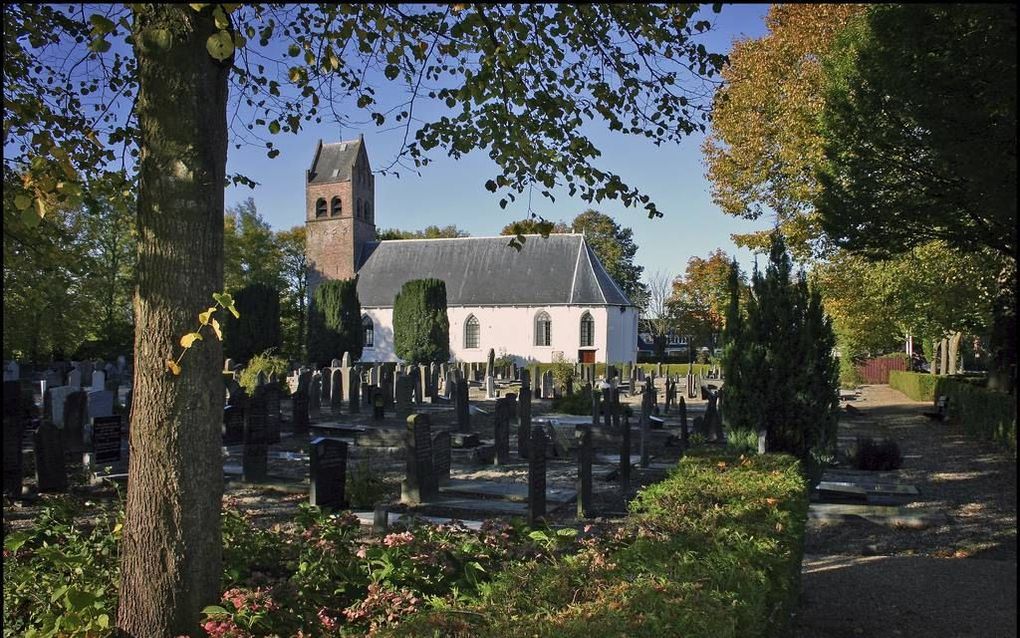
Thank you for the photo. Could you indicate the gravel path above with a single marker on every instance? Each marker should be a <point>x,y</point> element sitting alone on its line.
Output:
<point>957,578</point>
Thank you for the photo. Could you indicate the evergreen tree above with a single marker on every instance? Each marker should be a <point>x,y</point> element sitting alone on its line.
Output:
<point>781,376</point>
<point>334,322</point>
<point>258,327</point>
<point>421,329</point>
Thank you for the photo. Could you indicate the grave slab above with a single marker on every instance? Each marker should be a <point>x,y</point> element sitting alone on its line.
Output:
<point>475,506</point>
<point>888,515</point>
<point>614,459</point>
<point>367,519</point>
<point>506,491</point>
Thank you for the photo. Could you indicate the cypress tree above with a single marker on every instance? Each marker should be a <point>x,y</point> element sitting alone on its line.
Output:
<point>421,329</point>
<point>258,327</point>
<point>334,321</point>
<point>781,376</point>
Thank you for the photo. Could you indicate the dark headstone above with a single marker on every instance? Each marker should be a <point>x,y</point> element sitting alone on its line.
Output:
<point>75,416</point>
<point>353,385</point>
<point>405,390</point>
<point>502,431</point>
<point>536,475</point>
<point>378,404</point>
<point>366,394</point>
<point>254,460</point>
<point>328,474</point>
<point>106,434</point>
<point>461,406</point>
<point>584,456</point>
<point>524,414</point>
<point>685,436</point>
<point>419,485</point>
<point>336,389</point>
<point>233,425</point>
<point>441,457</point>
<point>462,440</point>
<point>625,454</point>
<point>299,401</point>
<point>272,397</point>
<point>50,469</point>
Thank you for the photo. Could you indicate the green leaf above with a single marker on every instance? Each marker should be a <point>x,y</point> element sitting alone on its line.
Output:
<point>233,310</point>
<point>203,317</point>
<point>220,45</point>
<point>198,6</point>
<point>56,595</point>
<point>274,127</point>
<point>220,18</point>
<point>294,50</point>
<point>103,621</point>
<point>22,201</point>
<point>215,610</point>
<point>29,218</point>
<point>223,298</point>
<point>99,45</point>
<point>273,153</point>
<point>538,535</point>
<point>567,532</point>
<point>101,24</point>
<point>392,71</point>
<point>14,541</point>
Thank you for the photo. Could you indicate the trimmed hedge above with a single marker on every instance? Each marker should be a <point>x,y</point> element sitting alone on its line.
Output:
<point>918,386</point>
<point>983,413</point>
<point>714,550</point>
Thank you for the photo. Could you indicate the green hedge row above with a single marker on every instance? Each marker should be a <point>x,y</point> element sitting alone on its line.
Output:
<point>916,385</point>
<point>982,413</point>
<point>714,550</point>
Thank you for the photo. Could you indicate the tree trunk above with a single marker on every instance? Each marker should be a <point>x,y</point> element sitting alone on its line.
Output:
<point>933,365</point>
<point>944,356</point>
<point>171,549</point>
<point>954,352</point>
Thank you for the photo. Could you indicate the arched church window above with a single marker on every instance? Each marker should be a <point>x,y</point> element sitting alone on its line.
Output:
<point>472,332</point>
<point>543,329</point>
<point>320,208</point>
<point>587,330</point>
<point>368,329</point>
<point>337,207</point>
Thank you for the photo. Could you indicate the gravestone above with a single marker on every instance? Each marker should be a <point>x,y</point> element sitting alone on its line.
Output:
<point>405,388</point>
<point>326,385</point>
<point>387,384</point>
<point>74,378</point>
<point>502,432</point>
<point>511,404</point>
<point>353,385</point>
<point>233,425</point>
<point>75,417</point>
<point>273,418</point>
<point>299,400</point>
<point>596,407</point>
<point>56,398</point>
<point>98,380</point>
<point>625,455</point>
<point>336,389</point>
<point>366,394</point>
<point>461,406</point>
<point>646,414</point>
<point>12,371</point>
<point>378,404</point>
<point>548,390</point>
<point>15,420</point>
<point>255,457</point>
<point>100,403</point>
<point>50,467</point>
<point>418,486</point>
<point>607,407</point>
<point>315,395</point>
<point>327,468</point>
<point>685,437</point>
<point>441,457</point>
<point>582,433</point>
<point>713,423</point>
<point>536,474</point>
<point>524,414</point>
<point>106,449</point>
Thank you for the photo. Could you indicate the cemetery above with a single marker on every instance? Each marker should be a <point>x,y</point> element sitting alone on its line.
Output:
<point>231,413</point>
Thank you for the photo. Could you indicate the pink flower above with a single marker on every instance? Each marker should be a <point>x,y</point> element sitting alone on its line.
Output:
<point>362,552</point>
<point>396,540</point>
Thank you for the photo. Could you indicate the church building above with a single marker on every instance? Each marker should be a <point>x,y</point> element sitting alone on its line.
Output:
<point>551,297</point>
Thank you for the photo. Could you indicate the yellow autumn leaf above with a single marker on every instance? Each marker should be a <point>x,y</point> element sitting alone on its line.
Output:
<point>176,369</point>
<point>189,339</point>
<point>203,317</point>
<point>216,328</point>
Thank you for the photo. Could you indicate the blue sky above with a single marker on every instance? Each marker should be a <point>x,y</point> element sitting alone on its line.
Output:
<point>452,191</point>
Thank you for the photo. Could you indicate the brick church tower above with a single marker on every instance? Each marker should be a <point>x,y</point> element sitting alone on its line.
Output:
<point>339,210</point>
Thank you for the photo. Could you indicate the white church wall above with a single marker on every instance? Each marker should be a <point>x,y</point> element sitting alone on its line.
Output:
<point>511,330</point>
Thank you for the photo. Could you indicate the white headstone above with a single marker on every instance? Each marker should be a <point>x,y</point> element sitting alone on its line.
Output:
<point>12,371</point>
<point>98,381</point>
<point>57,397</point>
<point>74,378</point>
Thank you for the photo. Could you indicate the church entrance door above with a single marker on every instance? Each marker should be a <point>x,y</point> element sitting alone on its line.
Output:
<point>586,356</point>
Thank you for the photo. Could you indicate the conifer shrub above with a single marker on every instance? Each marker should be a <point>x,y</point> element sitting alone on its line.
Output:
<point>421,328</point>
<point>257,329</point>
<point>334,322</point>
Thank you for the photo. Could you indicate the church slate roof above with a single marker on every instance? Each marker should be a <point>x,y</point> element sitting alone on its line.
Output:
<point>560,269</point>
<point>333,162</point>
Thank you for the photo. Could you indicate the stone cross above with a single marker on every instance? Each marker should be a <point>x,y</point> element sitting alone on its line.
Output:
<point>327,474</point>
<point>419,485</point>
<point>536,474</point>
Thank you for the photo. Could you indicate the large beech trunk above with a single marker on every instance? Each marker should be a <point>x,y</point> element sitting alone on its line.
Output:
<point>171,547</point>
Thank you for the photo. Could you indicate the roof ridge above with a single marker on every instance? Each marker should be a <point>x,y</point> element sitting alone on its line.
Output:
<point>588,253</point>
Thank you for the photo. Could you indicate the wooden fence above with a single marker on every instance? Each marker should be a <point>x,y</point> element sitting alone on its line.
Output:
<point>877,370</point>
